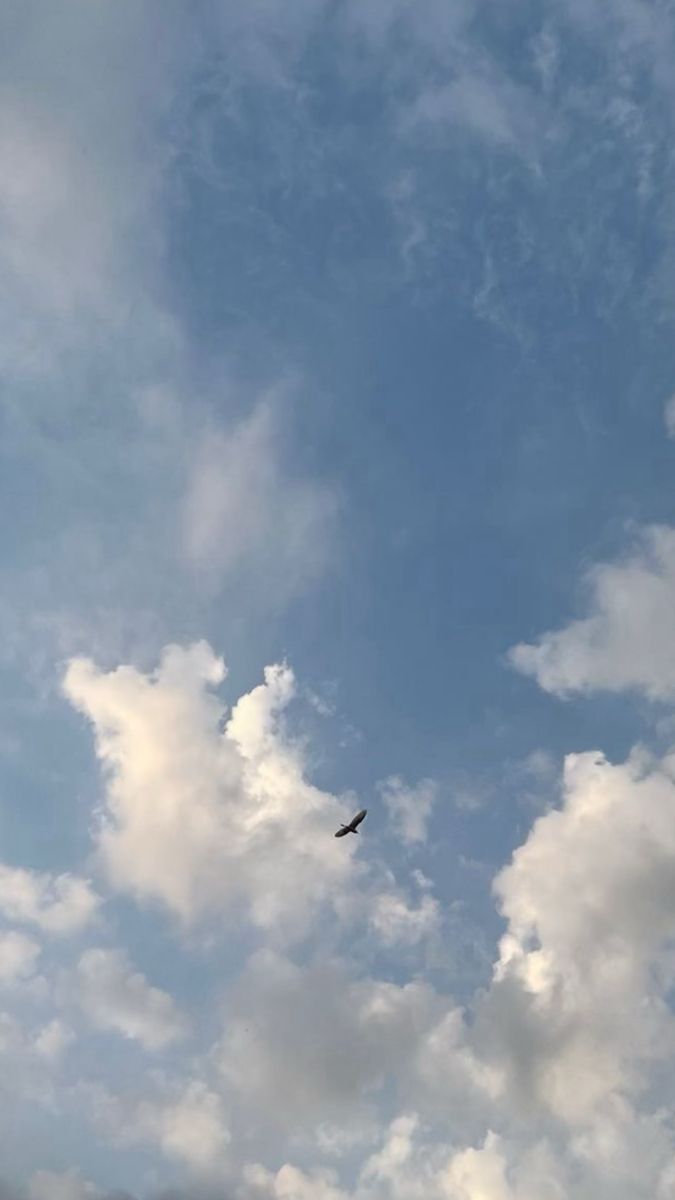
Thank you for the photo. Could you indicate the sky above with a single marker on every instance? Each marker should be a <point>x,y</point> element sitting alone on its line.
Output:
<point>337,449</point>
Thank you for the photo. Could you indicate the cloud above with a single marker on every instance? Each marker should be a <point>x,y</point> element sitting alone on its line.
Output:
<point>48,1185</point>
<point>185,1120</point>
<point>78,181</point>
<point>309,1045</point>
<point>576,1024</point>
<point>243,509</point>
<point>492,108</point>
<point>290,1183</point>
<point>397,923</point>
<point>407,1167</point>
<point>53,1040</point>
<point>627,641</point>
<point>18,957</point>
<point>409,808</point>
<point>62,904</point>
<point>578,1007</point>
<point>204,818</point>
<point>113,996</point>
<point>190,1127</point>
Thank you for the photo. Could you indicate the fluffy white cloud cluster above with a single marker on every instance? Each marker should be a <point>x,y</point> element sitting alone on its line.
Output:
<point>546,1084</point>
<point>69,1185</point>
<point>115,996</point>
<point>567,1060</point>
<point>18,956</point>
<point>62,904</point>
<point>397,922</point>
<point>628,640</point>
<point>184,1119</point>
<point>202,813</point>
<point>306,1046</point>
<point>588,958</point>
<point>408,1168</point>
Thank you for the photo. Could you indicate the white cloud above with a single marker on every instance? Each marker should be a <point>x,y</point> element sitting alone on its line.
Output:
<point>576,1024</point>
<point>69,1185</point>
<point>189,1126</point>
<point>18,957</point>
<point>53,1040</point>
<point>209,819</point>
<point>243,508</point>
<point>61,904</point>
<point>77,181</point>
<point>409,808</point>
<point>410,1167</point>
<point>578,1004</point>
<point>116,997</point>
<point>398,923</point>
<point>468,101</point>
<point>310,1045</point>
<point>487,1172</point>
<point>628,640</point>
<point>290,1183</point>
<point>185,1120</point>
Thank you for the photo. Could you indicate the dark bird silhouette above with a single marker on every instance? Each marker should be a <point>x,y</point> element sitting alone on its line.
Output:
<point>352,827</point>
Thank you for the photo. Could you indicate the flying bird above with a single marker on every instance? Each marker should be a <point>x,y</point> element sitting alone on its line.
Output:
<point>352,827</point>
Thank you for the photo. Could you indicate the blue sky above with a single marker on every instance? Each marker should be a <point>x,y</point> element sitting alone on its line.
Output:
<point>337,363</point>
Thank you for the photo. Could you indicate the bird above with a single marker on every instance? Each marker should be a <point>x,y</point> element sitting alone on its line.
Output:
<point>352,826</point>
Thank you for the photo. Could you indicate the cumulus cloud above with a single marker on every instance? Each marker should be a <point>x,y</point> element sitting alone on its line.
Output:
<point>409,808</point>
<point>18,957</point>
<point>206,814</point>
<point>185,1120</point>
<point>396,922</point>
<point>312,1045</point>
<point>576,1024</point>
<point>189,1126</point>
<point>410,1167</point>
<point>69,1185</point>
<point>52,1041</point>
<point>62,904</point>
<point>628,639</point>
<point>578,1006</point>
<point>115,996</point>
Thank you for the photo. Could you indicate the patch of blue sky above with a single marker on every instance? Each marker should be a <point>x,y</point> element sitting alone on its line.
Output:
<point>494,401</point>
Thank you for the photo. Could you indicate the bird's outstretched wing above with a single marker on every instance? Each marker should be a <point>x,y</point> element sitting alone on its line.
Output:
<point>352,827</point>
